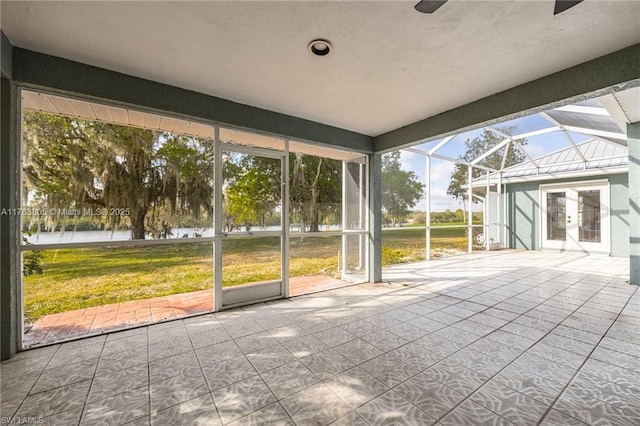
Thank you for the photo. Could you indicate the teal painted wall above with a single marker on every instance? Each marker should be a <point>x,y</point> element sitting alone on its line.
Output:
<point>523,212</point>
<point>9,230</point>
<point>6,56</point>
<point>633,141</point>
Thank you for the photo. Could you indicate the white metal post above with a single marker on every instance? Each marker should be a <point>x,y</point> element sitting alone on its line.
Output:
<point>428,208</point>
<point>361,189</point>
<point>15,221</point>
<point>285,220</point>
<point>469,201</point>
<point>367,219</point>
<point>343,258</point>
<point>217,221</point>
<point>500,211</point>
<point>486,220</point>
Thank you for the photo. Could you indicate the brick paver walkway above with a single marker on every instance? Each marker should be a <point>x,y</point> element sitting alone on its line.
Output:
<point>99,319</point>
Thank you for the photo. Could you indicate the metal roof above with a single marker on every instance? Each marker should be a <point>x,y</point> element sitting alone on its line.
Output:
<point>597,153</point>
<point>602,120</point>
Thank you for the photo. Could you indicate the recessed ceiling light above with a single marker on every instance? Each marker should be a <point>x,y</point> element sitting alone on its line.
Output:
<point>320,47</point>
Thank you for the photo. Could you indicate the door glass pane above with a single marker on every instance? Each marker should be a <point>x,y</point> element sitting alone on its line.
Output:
<point>556,216</point>
<point>251,260</point>
<point>251,215</point>
<point>252,193</point>
<point>589,216</point>
<point>355,256</point>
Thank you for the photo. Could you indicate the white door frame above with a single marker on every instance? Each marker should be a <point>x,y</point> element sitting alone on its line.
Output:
<point>571,242</point>
<point>225,298</point>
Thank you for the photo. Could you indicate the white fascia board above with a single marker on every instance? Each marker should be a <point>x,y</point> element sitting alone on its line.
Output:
<point>493,180</point>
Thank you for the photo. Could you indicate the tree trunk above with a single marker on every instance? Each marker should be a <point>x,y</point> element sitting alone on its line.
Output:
<point>137,224</point>
<point>464,211</point>
<point>314,226</point>
<point>313,207</point>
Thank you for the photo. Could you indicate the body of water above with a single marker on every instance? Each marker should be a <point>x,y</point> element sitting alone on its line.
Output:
<point>90,236</point>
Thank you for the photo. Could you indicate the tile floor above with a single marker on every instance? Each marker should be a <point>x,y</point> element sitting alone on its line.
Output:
<point>491,338</point>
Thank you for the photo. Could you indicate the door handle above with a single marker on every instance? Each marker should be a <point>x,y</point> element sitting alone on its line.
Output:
<point>568,219</point>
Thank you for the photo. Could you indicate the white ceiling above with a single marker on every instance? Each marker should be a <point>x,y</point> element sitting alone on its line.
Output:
<point>390,66</point>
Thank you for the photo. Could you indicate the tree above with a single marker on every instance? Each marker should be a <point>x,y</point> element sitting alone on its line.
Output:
<point>164,180</point>
<point>401,189</point>
<point>72,163</point>
<point>475,148</point>
<point>253,192</point>
<point>419,218</point>
<point>315,189</point>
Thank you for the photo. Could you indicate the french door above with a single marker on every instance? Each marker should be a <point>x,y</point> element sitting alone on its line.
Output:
<point>250,226</point>
<point>575,217</point>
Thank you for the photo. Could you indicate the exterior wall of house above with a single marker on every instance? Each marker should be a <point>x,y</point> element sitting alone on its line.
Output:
<point>523,213</point>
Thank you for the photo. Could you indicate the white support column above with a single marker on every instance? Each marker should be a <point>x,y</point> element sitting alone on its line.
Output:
<point>469,202</point>
<point>217,221</point>
<point>500,211</point>
<point>428,209</point>
<point>343,246</point>
<point>285,220</point>
<point>361,198</point>
<point>486,219</point>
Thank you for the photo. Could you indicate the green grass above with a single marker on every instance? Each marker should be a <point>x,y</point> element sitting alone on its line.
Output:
<point>82,278</point>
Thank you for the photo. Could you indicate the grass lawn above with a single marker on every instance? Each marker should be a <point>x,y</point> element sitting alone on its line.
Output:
<point>82,278</point>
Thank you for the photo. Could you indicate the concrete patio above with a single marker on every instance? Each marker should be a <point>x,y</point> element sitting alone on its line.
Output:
<point>490,338</point>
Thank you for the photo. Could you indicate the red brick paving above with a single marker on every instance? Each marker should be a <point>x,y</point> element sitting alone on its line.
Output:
<point>99,319</point>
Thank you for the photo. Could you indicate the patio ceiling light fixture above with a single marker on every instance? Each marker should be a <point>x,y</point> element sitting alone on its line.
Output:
<point>320,47</point>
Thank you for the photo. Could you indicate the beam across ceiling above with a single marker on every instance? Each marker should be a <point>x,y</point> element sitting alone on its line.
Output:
<point>607,74</point>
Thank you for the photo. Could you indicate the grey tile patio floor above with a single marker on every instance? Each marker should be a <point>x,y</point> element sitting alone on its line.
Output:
<point>489,338</point>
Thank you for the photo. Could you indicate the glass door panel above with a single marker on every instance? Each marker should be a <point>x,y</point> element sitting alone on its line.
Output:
<point>589,216</point>
<point>354,257</point>
<point>251,260</point>
<point>556,216</point>
<point>252,231</point>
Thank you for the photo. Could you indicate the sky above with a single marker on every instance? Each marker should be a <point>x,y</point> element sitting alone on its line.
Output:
<point>441,169</point>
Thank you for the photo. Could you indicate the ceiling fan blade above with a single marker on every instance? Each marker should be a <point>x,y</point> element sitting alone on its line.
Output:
<point>562,5</point>
<point>429,6</point>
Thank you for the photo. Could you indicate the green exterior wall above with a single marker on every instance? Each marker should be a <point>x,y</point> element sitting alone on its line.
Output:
<point>523,213</point>
<point>6,56</point>
<point>375,218</point>
<point>633,200</point>
<point>9,230</point>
